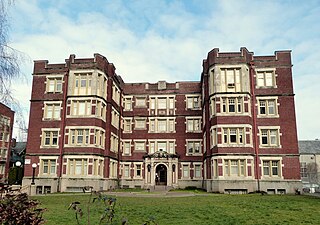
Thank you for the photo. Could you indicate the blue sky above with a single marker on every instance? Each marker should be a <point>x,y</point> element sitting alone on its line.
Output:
<point>153,40</point>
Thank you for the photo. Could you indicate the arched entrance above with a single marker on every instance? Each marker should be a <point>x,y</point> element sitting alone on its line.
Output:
<point>161,173</point>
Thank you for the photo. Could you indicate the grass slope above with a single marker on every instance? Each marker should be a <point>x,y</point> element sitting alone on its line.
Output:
<point>202,209</point>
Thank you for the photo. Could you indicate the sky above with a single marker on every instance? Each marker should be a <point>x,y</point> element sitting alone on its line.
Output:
<point>152,40</point>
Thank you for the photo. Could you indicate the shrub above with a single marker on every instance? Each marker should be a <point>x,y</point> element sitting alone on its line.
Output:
<point>16,208</point>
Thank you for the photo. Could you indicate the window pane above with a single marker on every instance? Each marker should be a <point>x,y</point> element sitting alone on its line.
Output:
<point>162,146</point>
<point>162,125</point>
<point>162,103</point>
<point>271,107</point>
<point>78,167</point>
<point>189,103</point>
<point>232,107</point>
<point>260,79</point>
<point>190,147</point>
<point>262,107</point>
<point>269,80</point>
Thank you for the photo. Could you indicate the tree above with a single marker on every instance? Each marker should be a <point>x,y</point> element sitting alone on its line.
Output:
<point>9,65</point>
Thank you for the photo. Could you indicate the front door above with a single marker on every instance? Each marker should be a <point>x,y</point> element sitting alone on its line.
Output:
<point>161,175</point>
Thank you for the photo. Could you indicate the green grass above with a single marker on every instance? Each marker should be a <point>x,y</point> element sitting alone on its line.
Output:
<point>201,209</point>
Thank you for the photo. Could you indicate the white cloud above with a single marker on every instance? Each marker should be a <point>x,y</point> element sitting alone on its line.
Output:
<point>153,40</point>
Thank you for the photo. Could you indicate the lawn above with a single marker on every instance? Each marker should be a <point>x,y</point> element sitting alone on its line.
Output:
<point>200,209</point>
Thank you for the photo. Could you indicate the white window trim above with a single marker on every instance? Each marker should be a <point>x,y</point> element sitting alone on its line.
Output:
<point>42,136</point>
<point>194,154</point>
<point>182,173</point>
<point>194,170</point>
<point>279,134</point>
<point>45,105</point>
<point>274,77</point>
<point>123,145</point>
<point>40,164</point>
<point>140,141</point>
<point>193,96</point>
<point>135,171</point>
<point>187,118</point>
<point>267,115</point>
<point>54,77</point>
<point>280,168</point>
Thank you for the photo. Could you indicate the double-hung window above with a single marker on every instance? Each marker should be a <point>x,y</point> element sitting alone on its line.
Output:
<point>50,138</point>
<point>271,168</point>
<point>233,135</point>
<point>52,111</point>
<point>54,85</point>
<point>265,78</point>
<point>267,107</point>
<point>193,124</point>
<point>269,138</point>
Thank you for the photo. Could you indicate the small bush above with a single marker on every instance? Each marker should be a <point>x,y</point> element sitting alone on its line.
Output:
<point>16,208</point>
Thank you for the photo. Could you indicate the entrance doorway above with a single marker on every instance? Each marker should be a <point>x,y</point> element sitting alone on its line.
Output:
<point>161,173</point>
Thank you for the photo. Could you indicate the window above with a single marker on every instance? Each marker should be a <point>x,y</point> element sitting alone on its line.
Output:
<point>140,102</point>
<point>234,167</point>
<point>185,171</point>
<point>194,125</point>
<point>162,103</point>
<point>114,143</point>
<point>50,138</point>
<point>162,125</point>
<point>127,104</point>
<point>79,137</point>
<point>82,83</point>
<point>138,170</point>
<point>126,170</point>
<point>113,168</point>
<point>97,167</point>
<point>162,146</point>
<point>48,166</point>
<point>193,147</point>
<point>267,107</point>
<point>269,137</point>
<point>303,170</point>
<point>127,125</point>
<point>101,85</point>
<point>271,168</point>
<point>52,111</point>
<point>139,146</point>
<point>265,78</point>
<point>230,79</point>
<point>54,84</point>
<point>193,102</point>
<point>127,148</point>
<point>197,171</point>
<point>115,94</point>
<point>233,136</point>
<point>77,167</point>
<point>81,107</point>
<point>100,109</point>
<point>115,117</point>
<point>140,124</point>
<point>3,153</point>
<point>99,138</point>
<point>232,105</point>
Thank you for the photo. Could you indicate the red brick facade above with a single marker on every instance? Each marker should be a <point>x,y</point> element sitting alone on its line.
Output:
<point>6,126</point>
<point>234,131</point>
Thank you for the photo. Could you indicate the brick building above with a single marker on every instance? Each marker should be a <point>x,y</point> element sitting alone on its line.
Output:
<point>234,131</point>
<point>6,126</point>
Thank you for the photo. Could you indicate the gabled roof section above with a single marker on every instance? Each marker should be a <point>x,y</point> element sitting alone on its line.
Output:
<point>309,147</point>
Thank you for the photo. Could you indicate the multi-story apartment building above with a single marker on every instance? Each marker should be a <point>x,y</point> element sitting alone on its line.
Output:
<point>234,131</point>
<point>6,126</point>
